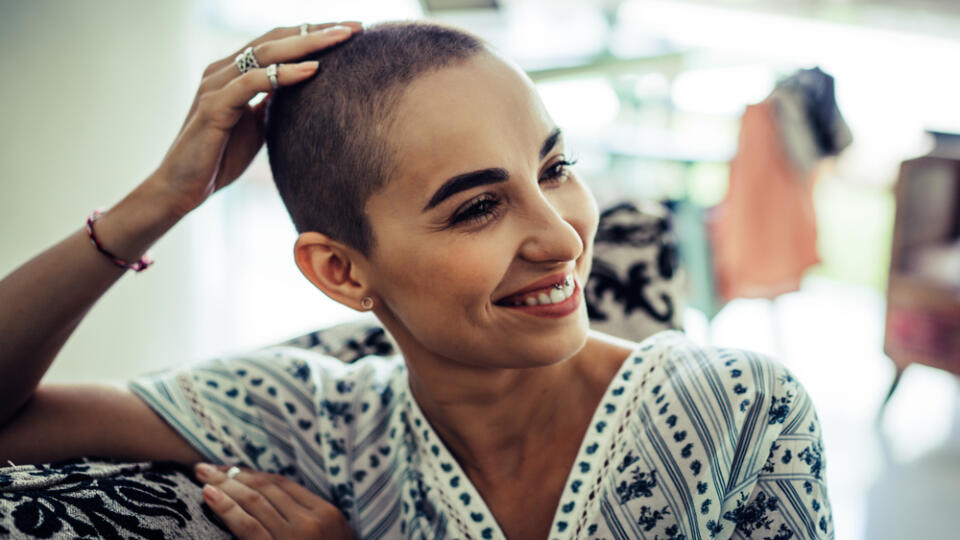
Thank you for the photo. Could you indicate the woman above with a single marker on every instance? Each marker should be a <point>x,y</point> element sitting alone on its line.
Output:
<point>430,186</point>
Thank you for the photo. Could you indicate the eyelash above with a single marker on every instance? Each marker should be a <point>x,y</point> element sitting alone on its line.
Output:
<point>476,213</point>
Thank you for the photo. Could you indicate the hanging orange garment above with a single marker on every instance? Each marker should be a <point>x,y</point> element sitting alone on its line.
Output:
<point>764,234</point>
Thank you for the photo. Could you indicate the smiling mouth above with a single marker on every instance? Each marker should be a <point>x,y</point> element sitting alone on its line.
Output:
<point>555,293</point>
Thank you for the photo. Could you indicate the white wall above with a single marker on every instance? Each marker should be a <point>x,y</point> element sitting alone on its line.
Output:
<point>88,93</point>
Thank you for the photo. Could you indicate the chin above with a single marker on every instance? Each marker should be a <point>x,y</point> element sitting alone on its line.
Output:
<point>550,349</point>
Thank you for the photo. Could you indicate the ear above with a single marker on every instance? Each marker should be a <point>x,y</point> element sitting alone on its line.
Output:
<point>332,267</point>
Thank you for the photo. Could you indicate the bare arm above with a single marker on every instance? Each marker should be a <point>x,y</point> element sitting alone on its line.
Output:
<point>94,420</point>
<point>43,301</point>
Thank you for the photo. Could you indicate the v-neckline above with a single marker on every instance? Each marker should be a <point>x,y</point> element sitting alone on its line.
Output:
<point>461,498</point>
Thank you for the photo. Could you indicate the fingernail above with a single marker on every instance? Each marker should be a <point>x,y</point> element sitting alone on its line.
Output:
<point>204,470</point>
<point>212,493</point>
<point>338,30</point>
<point>308,66</point>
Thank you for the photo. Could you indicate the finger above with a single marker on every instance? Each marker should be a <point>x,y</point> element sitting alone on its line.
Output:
<point>240,523</point>
<point>242,146</point>
<point>322,30</point>
<point>301,494</point>
<point>225,106</point>
<point>281,50</point>
<point>282,32</point>
<point>213,78</point>
<point>260,111</point>
<point>253,500</point>
<point>267,485</point>
<point>290,48</point>
<point>297,492</point>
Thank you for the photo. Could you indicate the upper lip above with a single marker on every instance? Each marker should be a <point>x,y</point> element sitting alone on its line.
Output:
<point>539,284</point>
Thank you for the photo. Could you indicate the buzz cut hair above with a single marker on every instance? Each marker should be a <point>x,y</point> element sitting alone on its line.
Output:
<point>327,137</point>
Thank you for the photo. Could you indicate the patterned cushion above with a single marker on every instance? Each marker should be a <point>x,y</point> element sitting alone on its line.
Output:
<point>84,498</point>
<point>349,341</point>
<point>636,285</point>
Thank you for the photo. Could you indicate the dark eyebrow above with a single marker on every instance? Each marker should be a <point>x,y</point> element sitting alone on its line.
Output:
<point>463,182</point>
<point>549,143</point>
<point>483,177</point>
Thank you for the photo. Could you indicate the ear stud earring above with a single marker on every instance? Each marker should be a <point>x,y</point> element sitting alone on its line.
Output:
<point>366,303</point>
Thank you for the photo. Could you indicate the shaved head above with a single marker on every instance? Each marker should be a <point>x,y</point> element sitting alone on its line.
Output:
<point>327,138</point>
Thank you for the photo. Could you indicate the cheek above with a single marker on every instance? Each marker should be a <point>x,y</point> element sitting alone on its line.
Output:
<point>579,209</point>
<point>433,277</point>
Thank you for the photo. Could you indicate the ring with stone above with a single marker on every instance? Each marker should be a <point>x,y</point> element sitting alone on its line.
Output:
<point>233,471</point>
<point>272,75</point>
<point>304,29</point>
<point>246,61</point>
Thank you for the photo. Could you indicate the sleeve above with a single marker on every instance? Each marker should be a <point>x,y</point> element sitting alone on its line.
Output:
<point>279,410</point>
<point>783,496</point>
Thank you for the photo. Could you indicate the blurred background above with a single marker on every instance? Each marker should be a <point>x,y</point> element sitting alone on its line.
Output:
<point>652,96</point>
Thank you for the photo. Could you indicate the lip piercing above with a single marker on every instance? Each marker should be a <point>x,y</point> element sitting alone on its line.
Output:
<point>566,283</point>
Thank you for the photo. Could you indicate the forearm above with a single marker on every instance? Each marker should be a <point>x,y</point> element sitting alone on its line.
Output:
<point>44,300</point>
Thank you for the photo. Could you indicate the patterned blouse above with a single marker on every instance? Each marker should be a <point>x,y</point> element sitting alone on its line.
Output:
<point>687,443</point>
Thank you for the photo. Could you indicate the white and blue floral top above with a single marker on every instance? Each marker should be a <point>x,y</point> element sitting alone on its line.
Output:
<point>687,443</point>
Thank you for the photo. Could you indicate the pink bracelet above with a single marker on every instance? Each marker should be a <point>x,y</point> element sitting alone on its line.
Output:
<point>138,266</point>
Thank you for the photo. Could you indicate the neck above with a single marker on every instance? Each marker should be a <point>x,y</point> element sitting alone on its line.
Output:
<point>496,420</point>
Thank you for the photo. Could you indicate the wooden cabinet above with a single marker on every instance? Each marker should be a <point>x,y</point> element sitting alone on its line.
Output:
<point>923,295</point>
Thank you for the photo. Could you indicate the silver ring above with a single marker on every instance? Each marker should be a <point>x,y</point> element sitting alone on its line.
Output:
<point>246,61</point>
<point>272,75</point>
<point>233,471</point>
<point>304,29</point>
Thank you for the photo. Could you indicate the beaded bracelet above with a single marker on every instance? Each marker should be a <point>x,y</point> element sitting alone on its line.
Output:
<point>138,266</point>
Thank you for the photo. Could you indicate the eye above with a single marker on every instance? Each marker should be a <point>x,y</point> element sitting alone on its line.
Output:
<point>477,211</point>
<point>558,171</point>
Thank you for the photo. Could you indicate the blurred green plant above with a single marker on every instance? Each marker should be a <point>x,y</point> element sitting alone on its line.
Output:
<point>855,232</point>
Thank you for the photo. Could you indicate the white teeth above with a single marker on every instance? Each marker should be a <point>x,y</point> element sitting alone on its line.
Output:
<point>568,286</point>
<point>557,295</point>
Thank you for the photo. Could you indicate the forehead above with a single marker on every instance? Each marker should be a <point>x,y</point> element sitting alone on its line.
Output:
<point>480,113</point>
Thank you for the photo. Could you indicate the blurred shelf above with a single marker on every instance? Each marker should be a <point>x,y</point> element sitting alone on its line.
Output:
<point>659,144</point>
<point>602,65</point>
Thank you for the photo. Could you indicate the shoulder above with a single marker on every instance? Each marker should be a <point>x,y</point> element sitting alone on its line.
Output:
<point>741,378</point>
<point>730,405</point>
<point>729,400</point>
<point>730,422</point>
<point>285,383</point>
<point>321,376</point>
<point>279,409</point>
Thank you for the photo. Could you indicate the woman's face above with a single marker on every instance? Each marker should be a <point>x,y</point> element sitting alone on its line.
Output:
<point>481,206</point>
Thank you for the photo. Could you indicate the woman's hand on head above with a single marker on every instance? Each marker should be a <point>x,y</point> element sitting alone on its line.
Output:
<point>257,505</point>
<point>222,132</point>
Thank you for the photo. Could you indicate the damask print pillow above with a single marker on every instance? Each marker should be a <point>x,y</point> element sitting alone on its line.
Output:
<point>349,341</point>
<point>84,498</point>
<point>636,285</point>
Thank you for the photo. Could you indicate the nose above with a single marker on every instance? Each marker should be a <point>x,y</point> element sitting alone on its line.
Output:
<point>548,236</point>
